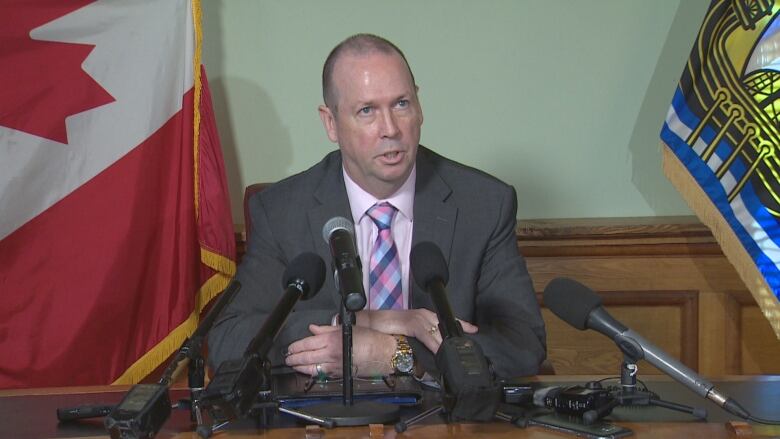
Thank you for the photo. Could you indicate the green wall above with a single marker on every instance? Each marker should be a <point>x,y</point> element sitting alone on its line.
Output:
<point>562,99</point>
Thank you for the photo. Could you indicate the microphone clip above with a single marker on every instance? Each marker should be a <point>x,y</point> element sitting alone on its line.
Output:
<point>470,392</point>
<point>628,393</point>
<point>226,397</point>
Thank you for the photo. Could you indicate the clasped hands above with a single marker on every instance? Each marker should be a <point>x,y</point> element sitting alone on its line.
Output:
<point>373,344</point>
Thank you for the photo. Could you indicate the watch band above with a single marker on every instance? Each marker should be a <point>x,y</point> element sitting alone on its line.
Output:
<point>403,359</point>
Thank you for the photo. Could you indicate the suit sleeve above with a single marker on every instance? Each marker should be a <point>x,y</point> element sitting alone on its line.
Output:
<point>260,275</point>
<point>511,329</point>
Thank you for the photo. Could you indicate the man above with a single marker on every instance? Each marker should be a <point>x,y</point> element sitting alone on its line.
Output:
<point>372,111</point>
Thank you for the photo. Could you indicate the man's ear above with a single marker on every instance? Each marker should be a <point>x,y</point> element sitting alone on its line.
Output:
<point>329,123</point>
<point>417,96</point>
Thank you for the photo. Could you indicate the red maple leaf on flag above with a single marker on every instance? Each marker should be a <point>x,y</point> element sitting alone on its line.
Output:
<point>42,81</point>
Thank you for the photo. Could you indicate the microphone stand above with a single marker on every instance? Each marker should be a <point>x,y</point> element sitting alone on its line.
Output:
<point>347,320</point>
<point>629,394</point>
<point>349,412</point>
<point>239,382</point>
<point>196,376</point>
<point>154,397</point>
<point>196,381</point>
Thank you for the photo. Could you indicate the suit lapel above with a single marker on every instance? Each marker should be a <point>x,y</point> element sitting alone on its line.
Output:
<point>434,218</point>
<point>330,201</point>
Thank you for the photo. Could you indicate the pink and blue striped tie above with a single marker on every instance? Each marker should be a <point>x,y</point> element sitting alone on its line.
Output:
<point>384,284</point>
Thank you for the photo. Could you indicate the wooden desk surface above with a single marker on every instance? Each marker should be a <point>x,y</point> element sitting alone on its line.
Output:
<point>30,413</point>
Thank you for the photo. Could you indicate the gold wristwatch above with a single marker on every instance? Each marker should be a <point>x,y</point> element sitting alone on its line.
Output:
<point>403,359</point>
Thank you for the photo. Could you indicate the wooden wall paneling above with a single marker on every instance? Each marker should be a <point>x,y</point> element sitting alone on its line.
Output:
<point>719,334</point>
<point>758,349</point>
<point>638,273</point>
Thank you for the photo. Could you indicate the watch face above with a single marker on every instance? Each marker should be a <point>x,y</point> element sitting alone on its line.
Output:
<point>404,363</point>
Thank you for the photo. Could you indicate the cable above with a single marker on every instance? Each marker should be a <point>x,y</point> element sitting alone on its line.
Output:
<point>763,421</point>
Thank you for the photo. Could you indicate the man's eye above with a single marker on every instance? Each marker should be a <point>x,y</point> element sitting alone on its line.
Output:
<point>403,103</point>
<point>365,110</point>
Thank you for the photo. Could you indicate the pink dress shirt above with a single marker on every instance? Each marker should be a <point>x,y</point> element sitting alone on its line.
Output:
<point>366,231</point>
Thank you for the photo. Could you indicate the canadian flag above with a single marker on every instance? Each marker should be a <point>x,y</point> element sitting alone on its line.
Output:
<point>115,228</point>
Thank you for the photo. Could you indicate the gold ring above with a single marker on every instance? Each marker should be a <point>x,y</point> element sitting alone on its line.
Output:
<point>434,329</point>
<point>318,368</point>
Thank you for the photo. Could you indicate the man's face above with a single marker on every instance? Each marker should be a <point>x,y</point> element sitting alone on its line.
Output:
<point>376,121</point>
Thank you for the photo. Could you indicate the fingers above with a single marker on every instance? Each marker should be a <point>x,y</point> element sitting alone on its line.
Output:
<point>431,340</point>
<point>321,355</point>
<point>307,358</point>
<point>322,348</point>
<point>311,343</point>
<point>468,327</point>
<point>428,315</point>
<point>323,329</point>
<point>319,370</point>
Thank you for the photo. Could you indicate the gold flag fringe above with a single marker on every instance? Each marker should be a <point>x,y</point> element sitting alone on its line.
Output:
<point>152,359</point>
<point>735,252</point>
<point>198,86</point>
<point>217,262</point>
<point>224,266</point>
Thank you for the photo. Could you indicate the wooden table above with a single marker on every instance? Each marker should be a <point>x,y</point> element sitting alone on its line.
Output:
<point>30,413</point>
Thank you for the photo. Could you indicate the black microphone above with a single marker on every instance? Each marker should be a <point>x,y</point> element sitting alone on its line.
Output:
<point>236,383</point>
<point>302,279</point>
<point>471,392</point>
<point>83,412</point>
<point>580,307</point>
<point>430,271</point>
<point>339,233</point>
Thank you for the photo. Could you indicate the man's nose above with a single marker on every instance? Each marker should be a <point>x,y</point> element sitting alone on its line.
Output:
<point>389,124</point>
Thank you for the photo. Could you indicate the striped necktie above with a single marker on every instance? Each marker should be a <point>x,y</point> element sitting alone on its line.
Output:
<point>384,267</point>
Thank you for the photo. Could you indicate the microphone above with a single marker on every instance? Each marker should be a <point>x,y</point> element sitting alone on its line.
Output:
<point>302,279</point>
<point>580,307</point>
<point>236,383</point>
<point>466,375</point>
<point>339,233</point>
<point>430,271</point>
<point>83,412</point>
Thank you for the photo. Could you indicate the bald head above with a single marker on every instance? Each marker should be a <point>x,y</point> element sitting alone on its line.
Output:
<point>356,45</point>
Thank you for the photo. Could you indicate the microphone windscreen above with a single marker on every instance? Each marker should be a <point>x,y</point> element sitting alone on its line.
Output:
<point>308,267</point>
<point>427,264</point>
<point>336,223</point>
<point>571,301</point>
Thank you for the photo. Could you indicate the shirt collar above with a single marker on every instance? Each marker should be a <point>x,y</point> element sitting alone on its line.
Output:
<point>360,200</point>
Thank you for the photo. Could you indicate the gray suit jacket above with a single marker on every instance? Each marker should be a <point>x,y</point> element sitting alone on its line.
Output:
<point>470,215</point>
